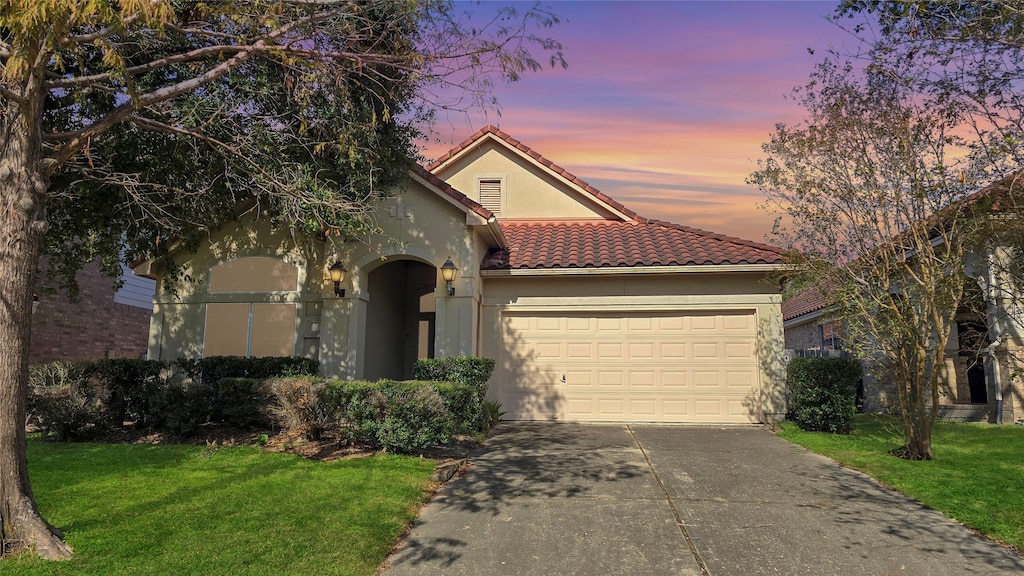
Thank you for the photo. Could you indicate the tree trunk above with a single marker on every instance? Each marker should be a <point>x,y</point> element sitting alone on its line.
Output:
<point>23,188</point>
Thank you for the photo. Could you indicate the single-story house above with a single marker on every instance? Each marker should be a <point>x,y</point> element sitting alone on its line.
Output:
<point>985,350</point>
<point>592,312</point>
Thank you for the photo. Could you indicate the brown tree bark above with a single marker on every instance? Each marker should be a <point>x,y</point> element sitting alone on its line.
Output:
<point>23,188</point>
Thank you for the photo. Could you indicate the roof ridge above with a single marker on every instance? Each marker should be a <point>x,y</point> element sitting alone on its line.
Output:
<point>537,157</point>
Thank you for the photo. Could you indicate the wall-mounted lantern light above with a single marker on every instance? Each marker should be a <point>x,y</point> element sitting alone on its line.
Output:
<point>337,271</point>
<point>35,302</point>
<point>448,272</point>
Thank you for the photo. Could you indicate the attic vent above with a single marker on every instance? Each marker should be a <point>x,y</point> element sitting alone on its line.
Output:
<point>491,194</point>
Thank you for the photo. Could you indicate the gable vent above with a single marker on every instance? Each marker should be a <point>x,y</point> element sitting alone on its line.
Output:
<point>490,194</point>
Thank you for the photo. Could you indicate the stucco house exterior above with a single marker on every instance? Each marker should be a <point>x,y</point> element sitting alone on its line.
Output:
<point>592,312</point>
<point>984,375</point>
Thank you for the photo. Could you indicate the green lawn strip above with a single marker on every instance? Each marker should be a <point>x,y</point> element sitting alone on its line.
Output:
<point>139,510</point>
<point>977,477</point>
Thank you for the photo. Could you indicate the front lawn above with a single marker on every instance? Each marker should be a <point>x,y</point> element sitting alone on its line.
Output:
<point>977,477</point>
<point>179,509</point>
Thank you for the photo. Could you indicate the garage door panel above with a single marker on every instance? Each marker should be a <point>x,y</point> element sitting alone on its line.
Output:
<point>580,350</point>
<point>673,350</point>
<point>641,379</point>
<point>640,408</point>
<point>641,350</point>
<point>742,323</point>
<point>673,379</point>
<point>578,324</point>
<point>742,379</point>
<point>610,351</point>
<point>706,380</point>
<point>706,351</point>
<point>739,350</point>
<point>640,325</point>
<point>671,324</point>
<point>682,367</point>
<point>705,324</point>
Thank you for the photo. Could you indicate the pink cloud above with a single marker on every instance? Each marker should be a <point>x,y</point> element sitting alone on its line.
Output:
<point>665,105</point>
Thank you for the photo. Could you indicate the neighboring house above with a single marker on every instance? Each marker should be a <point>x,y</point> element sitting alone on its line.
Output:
<point>592,312</point>
<point>102,323</point>
<point>984,353</point>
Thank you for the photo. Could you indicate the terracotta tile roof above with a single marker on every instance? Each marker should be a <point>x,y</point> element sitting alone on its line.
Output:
<point>810,300</point>
<point>537,157</point>
<point>612,244</point>
<point>466,201</point>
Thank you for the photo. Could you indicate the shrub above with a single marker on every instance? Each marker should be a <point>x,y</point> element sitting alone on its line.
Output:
<point>822,393</point>
<point>463,405</point>
<point>243,402</point>
<point>398,416</point>
<point>470,370</point>
<point>130,384</point>
<point>180,407</point>
<point>409,415</point>
<point>215,368</point>
<point>304,405</point>
<point>63,403</point>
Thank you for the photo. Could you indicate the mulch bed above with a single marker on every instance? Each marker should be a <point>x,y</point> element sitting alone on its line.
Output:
<point>276,441</point>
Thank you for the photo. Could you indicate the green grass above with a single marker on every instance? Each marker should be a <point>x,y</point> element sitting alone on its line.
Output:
<point>977,477</point>
<point>162,510</point>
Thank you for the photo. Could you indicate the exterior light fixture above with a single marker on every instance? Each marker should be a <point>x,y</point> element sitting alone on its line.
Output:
<point>448,272</point>
<point>337,271</point>
<point>35,302</point>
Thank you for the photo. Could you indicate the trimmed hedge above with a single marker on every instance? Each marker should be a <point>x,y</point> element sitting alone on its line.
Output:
<point>130,384</point>
<point>823,393</point>
<point>216,368</point>
<point>398,416</point>
<point>176,397</point>
<point>470,370</point>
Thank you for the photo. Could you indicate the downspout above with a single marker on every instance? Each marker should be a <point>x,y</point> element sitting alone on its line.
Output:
<point>996,380</point>
<point>991,296</point>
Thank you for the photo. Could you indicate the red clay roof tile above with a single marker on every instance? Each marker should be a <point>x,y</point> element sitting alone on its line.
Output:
<point>466,201</point>
<point>611,244</point>
<point>810,300</point>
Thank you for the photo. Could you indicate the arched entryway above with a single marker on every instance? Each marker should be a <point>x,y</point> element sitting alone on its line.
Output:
<point>399,318</point>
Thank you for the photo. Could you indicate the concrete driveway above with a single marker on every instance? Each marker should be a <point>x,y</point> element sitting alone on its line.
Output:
<point>558,499</point>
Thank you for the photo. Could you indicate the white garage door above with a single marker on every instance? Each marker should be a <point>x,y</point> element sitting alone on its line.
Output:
<point>657,367</point>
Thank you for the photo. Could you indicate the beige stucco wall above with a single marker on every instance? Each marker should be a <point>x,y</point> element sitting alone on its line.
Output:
<point>645,292</point>
<point>529,192</point>
<point>415,224</point>
<point>178,323</point>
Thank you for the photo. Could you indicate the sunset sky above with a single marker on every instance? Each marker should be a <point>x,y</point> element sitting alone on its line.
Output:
<point>664,105</point>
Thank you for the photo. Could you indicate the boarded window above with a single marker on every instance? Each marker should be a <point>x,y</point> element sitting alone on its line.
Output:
<point>254,274</point>
<point>249,329</point>
<point>491,190</point>
<point>227,330</point>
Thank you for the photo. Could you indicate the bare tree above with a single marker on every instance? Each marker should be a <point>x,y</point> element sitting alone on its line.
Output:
<point>871,198</point>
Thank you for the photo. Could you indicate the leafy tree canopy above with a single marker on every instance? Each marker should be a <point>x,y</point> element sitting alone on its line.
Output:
<point>131,124</point>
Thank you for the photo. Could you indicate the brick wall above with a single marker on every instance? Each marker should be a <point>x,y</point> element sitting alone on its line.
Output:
<point>93,327</point>
<point>803,337</point>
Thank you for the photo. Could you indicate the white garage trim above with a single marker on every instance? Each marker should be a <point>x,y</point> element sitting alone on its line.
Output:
<point>598,364</point>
